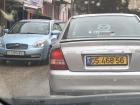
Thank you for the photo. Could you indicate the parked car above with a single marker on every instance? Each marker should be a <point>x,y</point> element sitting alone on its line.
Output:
<point>29,40</point>
<point>97,53</point>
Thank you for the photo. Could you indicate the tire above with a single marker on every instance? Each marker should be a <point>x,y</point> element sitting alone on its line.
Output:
<point>46,61</point>
<point>28,63</point>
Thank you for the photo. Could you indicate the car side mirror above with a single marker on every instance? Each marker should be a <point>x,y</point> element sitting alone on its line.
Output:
<point>56,32</point>
<point>5,31</point>
<point>53,40</point>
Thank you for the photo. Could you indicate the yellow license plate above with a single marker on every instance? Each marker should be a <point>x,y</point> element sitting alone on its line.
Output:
<point>107,60</point>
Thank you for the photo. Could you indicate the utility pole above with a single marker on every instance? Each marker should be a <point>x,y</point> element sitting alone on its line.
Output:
<point>87,3</point>
<point>72,7</point>
<point>53,10</point>
<point>4,5</point>
<point>23,8</point>
<point>88,6</point>
<point>4,8</point>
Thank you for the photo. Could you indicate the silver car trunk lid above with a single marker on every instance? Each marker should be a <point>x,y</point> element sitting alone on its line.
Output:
<point>75,53</point>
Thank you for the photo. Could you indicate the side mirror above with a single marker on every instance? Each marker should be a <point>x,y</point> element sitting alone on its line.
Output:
<point>5,31</point>
<point>55,32</point>
<point>53,40</point>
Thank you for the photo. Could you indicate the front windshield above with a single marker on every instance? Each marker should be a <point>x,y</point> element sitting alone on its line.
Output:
<point>31,28</point>
<point>48,53</point>
<point>104,26</point>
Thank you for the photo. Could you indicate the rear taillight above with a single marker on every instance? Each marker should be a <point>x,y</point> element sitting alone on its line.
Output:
<point>57,61</point>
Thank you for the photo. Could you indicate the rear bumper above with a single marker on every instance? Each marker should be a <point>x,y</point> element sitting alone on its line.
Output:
<point>89,83</point>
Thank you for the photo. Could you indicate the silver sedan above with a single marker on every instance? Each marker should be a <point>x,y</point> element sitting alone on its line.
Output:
<point>96,54</point>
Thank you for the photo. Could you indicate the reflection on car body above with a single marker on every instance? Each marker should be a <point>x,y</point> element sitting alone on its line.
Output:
<point>62,24</point>
<point>100,99</point>
<point>84,62</point>
<point>29,40</point>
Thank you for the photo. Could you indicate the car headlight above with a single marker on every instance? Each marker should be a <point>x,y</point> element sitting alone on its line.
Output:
<point>40,44</point>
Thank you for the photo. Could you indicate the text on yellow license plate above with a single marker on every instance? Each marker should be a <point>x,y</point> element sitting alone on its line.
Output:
<point>107,60</point>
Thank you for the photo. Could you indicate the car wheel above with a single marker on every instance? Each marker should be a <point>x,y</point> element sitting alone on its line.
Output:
<point>28,63</point>
<point>46,61</point>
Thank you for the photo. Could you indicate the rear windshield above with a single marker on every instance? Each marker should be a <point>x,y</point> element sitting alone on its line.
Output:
<point>103,26</point>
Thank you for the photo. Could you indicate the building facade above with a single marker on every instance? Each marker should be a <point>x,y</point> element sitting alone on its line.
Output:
<point>134,4</point>
<point>65,10</point>
<point>10,7</point>
<point>25,9</point>
<point>57,9</point>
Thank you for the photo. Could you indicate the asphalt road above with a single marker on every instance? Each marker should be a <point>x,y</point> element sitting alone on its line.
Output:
<point>19,80</point>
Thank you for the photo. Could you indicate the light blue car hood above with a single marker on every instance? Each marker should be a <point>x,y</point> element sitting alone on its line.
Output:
<point>29,39</point>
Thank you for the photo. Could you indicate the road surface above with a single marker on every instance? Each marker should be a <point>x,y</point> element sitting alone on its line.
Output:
<point>19,80</point>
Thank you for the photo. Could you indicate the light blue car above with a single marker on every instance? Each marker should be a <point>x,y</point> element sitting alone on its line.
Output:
<point>29,40</point>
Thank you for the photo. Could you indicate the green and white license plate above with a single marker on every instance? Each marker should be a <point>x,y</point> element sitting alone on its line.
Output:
<point>107,60</point>
<point>15,53</point>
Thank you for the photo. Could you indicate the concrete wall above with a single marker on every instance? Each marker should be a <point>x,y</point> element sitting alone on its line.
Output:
<point>61,11</point>
<point>64,12</point>
<point>134,4</point>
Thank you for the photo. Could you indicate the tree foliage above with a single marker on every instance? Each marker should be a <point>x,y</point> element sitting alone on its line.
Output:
<point>8,16</point>
<point>101,6</point>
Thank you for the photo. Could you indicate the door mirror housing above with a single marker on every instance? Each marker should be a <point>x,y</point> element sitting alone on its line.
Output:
<point>56,32</point>
<point>5,31</point>
<point>54,38</point>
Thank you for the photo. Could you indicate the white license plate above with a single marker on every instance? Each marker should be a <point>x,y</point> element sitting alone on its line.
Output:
<point>16,53</point>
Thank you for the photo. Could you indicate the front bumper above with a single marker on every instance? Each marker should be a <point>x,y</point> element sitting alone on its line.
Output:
<point>89,83</point>
<point>30,54</point>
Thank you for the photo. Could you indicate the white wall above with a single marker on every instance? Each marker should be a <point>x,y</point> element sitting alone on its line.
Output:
<point>134,4</point>
<point>50,1</point>
<point>64,12</point>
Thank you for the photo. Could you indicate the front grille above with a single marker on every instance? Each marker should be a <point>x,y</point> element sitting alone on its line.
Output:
<point>16,46</point>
